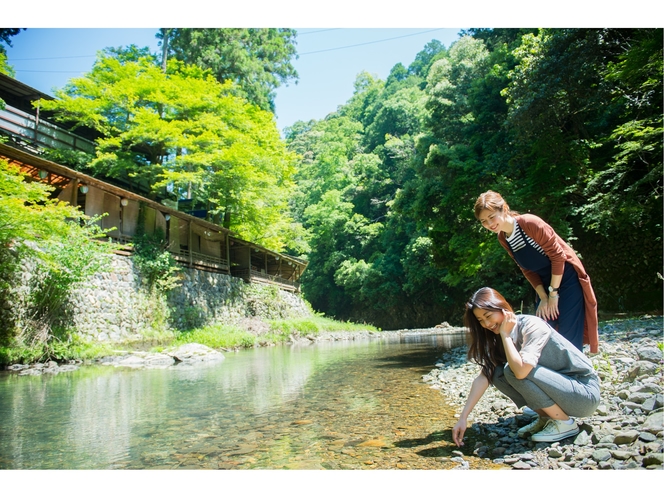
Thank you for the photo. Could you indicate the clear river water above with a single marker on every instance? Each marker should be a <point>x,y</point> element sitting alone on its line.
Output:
<point>330,405</point>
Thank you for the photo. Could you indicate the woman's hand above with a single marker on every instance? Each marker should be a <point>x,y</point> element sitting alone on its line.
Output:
<point>458,431</point>
<point>509,321</point>
<point>543,309</point>
<point>548,309</point>
<point>553,307</point>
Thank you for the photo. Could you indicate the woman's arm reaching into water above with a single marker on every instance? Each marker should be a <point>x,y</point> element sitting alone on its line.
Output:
<point>477,390</point>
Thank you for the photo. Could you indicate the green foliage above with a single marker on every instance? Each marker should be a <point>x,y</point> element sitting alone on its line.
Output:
<point>314,325</point>
<point>156,265</point>
<point>74,349</point>
<point>184,135</point>
<point>5,39</point>
<point>7,69</point>
<point>217,337</point>
<point>565,123</point>
<point>257,60</point>
<point>54,247</point>
<point>75,159</point>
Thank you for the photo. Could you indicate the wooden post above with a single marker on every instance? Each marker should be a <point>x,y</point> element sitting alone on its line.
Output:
<point>191,244</point>
<point>228,254</point>
<point>74,192</point>
<point>37,125</point>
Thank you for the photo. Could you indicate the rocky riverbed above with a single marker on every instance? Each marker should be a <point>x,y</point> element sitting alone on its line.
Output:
<point>626,431</point>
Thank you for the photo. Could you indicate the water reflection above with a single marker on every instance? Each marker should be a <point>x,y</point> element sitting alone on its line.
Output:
<point>299,406</point>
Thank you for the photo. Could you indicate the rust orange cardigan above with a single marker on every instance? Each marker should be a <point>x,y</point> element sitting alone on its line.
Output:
<point>559,252</point>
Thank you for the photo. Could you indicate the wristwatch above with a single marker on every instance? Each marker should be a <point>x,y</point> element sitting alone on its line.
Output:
<point>553,289</point>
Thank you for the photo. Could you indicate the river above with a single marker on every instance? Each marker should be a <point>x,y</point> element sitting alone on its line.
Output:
<point>329,405</point>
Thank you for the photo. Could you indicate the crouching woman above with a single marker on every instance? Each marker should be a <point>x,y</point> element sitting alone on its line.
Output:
<point>532,364</point>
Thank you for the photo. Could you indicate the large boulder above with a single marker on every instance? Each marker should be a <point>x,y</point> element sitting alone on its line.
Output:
<point>194,353</point>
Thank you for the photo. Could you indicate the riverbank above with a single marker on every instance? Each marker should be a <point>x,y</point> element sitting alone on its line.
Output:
<point>626,431</point>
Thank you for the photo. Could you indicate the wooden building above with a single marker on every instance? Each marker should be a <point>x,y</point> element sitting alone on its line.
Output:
<point>193,241</point>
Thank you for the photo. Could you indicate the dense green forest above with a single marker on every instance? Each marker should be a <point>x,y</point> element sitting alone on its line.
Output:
<point>565,123</point>
<point>378,196</point>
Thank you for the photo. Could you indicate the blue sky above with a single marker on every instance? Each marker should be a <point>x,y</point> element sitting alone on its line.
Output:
<point>336,41</point>
<point>329,60</point>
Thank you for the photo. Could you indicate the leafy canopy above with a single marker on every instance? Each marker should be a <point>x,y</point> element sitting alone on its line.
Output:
<point>185,136</point>
<point>257,60</point>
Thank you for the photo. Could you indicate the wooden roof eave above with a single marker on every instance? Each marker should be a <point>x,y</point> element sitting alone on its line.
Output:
<point>18,155</point>
<point>14,154</point>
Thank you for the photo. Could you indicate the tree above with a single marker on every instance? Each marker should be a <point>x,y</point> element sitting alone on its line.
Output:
<point>5,39</point>
<point>60,247</point>
<point>432,51</point>
<point>184,135</point>
<point>257,60</point>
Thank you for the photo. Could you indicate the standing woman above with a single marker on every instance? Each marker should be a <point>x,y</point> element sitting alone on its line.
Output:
<point>532,364</point>
<point>566,297</point>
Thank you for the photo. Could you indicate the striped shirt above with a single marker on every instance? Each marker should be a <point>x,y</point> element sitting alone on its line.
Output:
<point>518,240</point>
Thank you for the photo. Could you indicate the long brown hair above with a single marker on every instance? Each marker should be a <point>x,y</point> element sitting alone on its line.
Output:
<point>486,348</point>
<point>492,201</point>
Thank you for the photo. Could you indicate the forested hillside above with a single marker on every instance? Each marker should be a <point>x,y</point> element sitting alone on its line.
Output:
<point>564,123</point>
<point>378,196</point>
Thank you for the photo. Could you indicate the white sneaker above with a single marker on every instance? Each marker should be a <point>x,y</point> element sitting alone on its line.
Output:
<point>555,430</point>
<point>533,427</point>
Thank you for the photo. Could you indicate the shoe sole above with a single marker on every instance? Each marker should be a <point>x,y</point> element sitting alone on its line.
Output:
<point>555,437</point>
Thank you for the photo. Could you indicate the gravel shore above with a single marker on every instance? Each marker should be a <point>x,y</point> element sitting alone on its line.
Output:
<point>626,431</point>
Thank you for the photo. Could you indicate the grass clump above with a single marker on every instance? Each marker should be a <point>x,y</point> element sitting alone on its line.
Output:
<point>217,337</point>
<point>233,336</point>
<point>75,349</point>
<point>314,325</point>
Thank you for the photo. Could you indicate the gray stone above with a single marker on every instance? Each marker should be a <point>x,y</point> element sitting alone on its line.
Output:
<point>639,397</point>
<point>609,446</point>
<point>601,455</point>
<point>131,361</point>
<point>555,453</point>
<point>647,437</point>
<point>31,371</point>
<point>193,353</point>
<point>653,403</point>
<point>582,439</point>
<point>653,355</point>
<point>621,454</point>
<point>653,459</point>
<point>602,410</point>
<point>642,367</point>
<point>650,388</point>
<point>17,367</point>
<point>626,437</point>
<point>498,452</point>
<point>654,422</point>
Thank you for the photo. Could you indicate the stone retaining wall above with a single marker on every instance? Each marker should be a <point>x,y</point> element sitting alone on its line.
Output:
<point>113,306</point>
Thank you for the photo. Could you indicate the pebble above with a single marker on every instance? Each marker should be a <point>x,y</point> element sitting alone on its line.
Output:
<point>625,432</point>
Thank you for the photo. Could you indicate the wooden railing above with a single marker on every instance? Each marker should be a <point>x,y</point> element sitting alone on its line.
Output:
<point>199,259</point>
<point>257,276</point>
<point>24,127</point>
